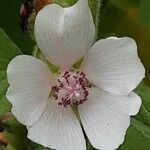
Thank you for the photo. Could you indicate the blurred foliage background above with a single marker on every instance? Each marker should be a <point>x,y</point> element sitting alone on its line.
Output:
<point>116,17</point>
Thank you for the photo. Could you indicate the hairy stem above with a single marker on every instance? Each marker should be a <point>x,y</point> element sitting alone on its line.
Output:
<point>97,19</point>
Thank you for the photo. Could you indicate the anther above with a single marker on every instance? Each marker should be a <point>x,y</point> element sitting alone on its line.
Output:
<point>71,89</point>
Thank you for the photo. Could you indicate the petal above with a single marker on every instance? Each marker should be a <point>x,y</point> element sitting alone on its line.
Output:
<point>58,128</point>
<point>106,117</point>
<point>30,81</point>
<point>113,65</point>
<point>130,104</point>
<point>64,34</point>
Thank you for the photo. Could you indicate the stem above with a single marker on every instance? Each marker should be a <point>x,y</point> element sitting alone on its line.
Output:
<point>97,19</point>
<point>35,51</point>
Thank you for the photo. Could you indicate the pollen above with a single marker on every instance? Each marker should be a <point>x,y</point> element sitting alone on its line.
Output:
<point>72,89</point>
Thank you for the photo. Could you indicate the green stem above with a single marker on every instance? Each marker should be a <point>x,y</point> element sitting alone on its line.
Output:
<point>35,51</point>
<point>97,19</point>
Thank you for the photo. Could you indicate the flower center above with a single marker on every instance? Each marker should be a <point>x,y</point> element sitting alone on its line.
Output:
<point>72,89</point>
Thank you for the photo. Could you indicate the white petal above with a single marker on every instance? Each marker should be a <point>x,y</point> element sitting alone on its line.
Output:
<point>113,65</point>
<point>58,128</point>
<point>64,34</point>
<point>106,117</point>
<point>30,81</point>
<point>130,104</point>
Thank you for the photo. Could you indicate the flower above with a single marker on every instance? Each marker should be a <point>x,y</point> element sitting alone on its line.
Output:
<point>101,89</point>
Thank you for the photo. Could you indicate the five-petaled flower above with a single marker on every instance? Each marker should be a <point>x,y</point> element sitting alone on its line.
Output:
<point>101,89</point>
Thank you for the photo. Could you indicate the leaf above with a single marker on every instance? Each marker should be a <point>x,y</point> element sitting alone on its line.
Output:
<point>135,141</point>
<point>96,12</point>
<point>144,92</point>
<point>145,12</point>
<point>9,16</point>
<point>141,127</point>
<point>5,106</point>
<point>8,50</point>
<point>15,134</point>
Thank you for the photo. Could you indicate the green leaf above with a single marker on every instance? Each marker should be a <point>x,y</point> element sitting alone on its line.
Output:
<point>141,127</point>
<point>16,135</point>
<point>5,106</point>
<point>10,16</point>
<point>8,50</point>
<point>145,12</point>
<point>95,6</point>
<point>144,92</point>
<point>135,141</point>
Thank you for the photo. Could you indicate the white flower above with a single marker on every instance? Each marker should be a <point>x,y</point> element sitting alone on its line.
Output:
<point>64,36</point>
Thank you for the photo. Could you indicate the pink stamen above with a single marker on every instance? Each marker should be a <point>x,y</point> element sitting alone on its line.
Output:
<point>72,89</point>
